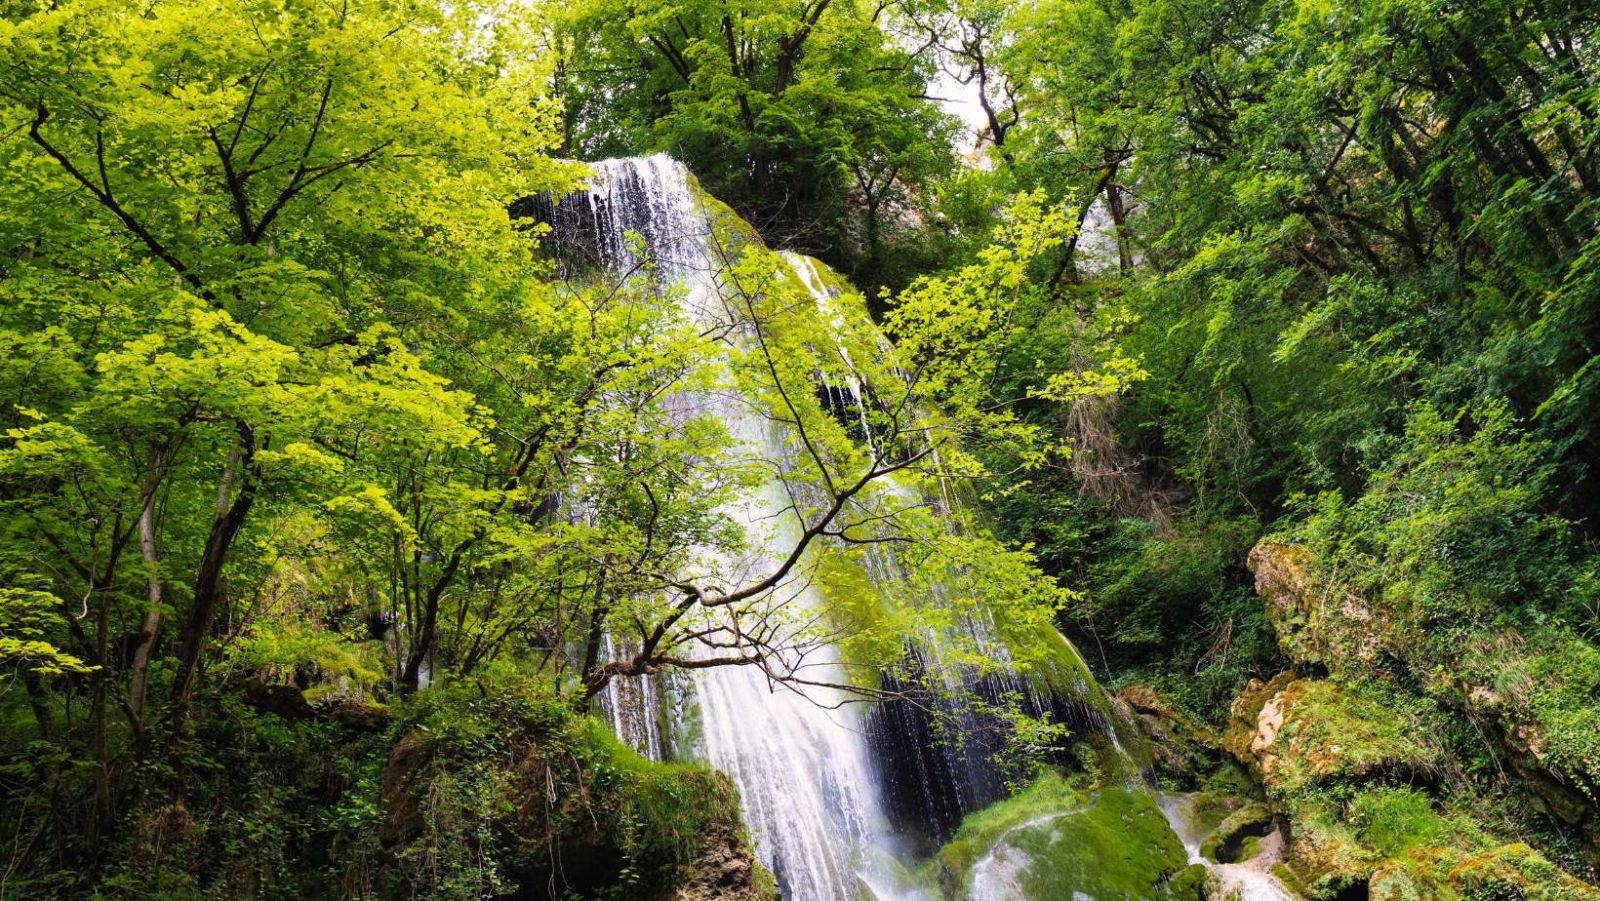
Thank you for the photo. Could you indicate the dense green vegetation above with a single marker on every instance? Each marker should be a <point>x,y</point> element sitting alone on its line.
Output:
<point>1256,337</point>
<point>299,420</point>
<point>808,118</point>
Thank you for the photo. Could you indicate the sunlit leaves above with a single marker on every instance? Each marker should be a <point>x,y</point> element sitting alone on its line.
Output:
<point>28,618</point>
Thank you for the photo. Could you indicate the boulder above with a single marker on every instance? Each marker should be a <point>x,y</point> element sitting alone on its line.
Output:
<point>1295,734</point>
<point>1182,749</point>
<point>1317,621</point>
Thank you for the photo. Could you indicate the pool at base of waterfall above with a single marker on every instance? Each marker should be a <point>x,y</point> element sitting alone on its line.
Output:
<point>1236,842</point>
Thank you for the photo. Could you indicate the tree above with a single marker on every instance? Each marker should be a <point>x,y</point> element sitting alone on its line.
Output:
<point>209,241</point>
<point>805,117</point>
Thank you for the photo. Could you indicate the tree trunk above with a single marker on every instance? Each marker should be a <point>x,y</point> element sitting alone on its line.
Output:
<point>151,627</point>
<point>208,581</point>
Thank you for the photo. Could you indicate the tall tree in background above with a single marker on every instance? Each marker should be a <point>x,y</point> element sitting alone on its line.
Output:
<point>806,117</point>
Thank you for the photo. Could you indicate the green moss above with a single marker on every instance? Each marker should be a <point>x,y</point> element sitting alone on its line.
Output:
<point>980,830</point>
<point>727,227</point>
<point>1056,841</point>
<point>1406,845</point>
<point>1229,837</point>
<point>1325,733</point>
<point>1213,808</point>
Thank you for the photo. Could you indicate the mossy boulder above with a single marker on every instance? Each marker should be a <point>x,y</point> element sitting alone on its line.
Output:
<point>1320,621</point>
<point>1528,690</point>
<point>1298,733</point>
<point>526,796</point>
<point>1184,752</point>
<point>1317,621</point>
<point>1052,842</point>
<point>1539,696</point>
<point>1394,843</point>
<point>1229,841</point>
<point>1503,871</point>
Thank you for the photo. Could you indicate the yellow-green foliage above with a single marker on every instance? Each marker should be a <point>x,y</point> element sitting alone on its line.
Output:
<point>26,617</point>
<point>275,651</point>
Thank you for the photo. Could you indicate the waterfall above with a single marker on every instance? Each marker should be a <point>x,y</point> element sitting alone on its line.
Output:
<point>835,793</point>
<point>801,763</point>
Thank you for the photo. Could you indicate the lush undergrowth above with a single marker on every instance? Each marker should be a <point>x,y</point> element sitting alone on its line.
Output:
<point>461,793</point>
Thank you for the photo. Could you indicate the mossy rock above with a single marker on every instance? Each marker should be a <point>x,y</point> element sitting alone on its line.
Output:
<point>1395,843</point>
<point>1536,693</point>
<point>1326,857</point>
<point>1245,714</point>
<point>1527,689</point>
<point>1517,871</point>
<point>546,800</point>
<point>1183,751</point>
<point>1227,842</point>
<point>1316,621</point>
<point>1504,871</point>
<point>1052,842</point>
<point>1309,732</point>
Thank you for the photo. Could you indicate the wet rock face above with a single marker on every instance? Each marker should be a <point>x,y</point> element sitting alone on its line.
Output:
<point>930,782</point>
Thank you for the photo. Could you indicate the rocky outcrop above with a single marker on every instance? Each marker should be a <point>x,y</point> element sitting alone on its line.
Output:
<point>559,809</point>
<point>1530,698</point>
<point>1183,750</point>
<point>725,871</point>
<point>1296,734</point>
<point>1542,717</point>
<point>1317,621</point>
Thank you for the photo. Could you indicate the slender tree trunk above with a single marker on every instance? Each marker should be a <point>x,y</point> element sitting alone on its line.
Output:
<point>597,626</point>
<point>151,627</point>
<point>225,527</point>
<point>100,811</point>
<point>1119,221</point>
<point>39,702</point>
<point>422,643</point>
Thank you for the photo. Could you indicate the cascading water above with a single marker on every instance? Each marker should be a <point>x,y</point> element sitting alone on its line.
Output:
<point>801,763</point>
<point>830,790</point>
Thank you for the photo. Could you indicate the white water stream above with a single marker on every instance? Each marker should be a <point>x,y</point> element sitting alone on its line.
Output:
<point>801,762</point>
<point>1247,880</point>
<point>813,792</point>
